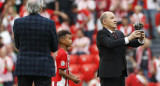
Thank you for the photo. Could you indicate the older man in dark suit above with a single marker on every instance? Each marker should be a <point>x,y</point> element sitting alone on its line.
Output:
<point>111,45</point>
<point>35,38</point>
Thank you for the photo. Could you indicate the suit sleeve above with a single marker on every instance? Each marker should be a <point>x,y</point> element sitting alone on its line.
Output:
<point>54,39</point>
<point>17,44</point>
<point>132,43</point>
<point>104,40</point>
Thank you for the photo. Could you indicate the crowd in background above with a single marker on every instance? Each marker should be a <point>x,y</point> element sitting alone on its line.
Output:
<point>81,18</point>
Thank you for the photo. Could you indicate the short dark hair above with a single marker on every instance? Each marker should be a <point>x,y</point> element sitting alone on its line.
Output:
<point>62,34</point>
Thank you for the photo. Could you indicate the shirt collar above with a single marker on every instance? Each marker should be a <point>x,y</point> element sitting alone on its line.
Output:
<point>110,31</point>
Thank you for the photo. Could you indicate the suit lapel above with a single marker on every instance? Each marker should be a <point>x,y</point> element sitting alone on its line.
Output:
<point>107,31</point>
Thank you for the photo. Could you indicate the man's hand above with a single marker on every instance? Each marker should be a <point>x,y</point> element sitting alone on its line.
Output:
<point>141,39</point>
<point>76,80</point>
<point>134,35</point>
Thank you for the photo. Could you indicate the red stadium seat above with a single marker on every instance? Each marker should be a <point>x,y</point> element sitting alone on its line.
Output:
<point>151,84</point>
<point>73,59</point>
<point>96,61</point>
<point>75,69</point>
<point>80,77</point>
<point>88,71</point>
<point>94,49</point>
<point>85,59</point>
<point>158,84</point>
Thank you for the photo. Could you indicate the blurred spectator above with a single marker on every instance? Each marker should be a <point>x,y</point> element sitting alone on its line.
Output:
<point>156,63</point>
<point>83,17</point>
<point>131,76</point>
<point>129,57</point>
<point>131,6</point>
<point>84,4</point>
<point>141,80</point>
<point>18,4</point>
<point>150,9</point>
<point>81,44</point>
<point>44,13</point>
<point>138,16</point>
<point>23,11</point>
<point>101,6</point>
<point>6,68</point>
<point>63,15</point>
<point>64,6</point>
<point>136,79</point>
<point>119,10</point>
<point>51,4</point>
<point>143,58</point>
<point>9,18</point>
<point>91,25</point>
<point>7,4</point>
<point>64,25</point>
<point>85,21</point>
<point>6,38</point>
<point>10,52</point>
<point>125,27</point>
<point>54,15</point>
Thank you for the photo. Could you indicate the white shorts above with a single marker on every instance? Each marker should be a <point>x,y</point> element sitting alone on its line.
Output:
<point>60,83</point>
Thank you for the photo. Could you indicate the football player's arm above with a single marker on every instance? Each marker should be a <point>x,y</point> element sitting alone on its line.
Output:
<point>63,74</point>
<point>72,75</point>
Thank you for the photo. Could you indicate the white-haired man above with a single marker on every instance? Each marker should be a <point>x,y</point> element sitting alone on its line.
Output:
<point>35,38</point>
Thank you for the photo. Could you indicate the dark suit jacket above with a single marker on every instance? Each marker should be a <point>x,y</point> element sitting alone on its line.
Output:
<point>35,37</point>
<point>112,53</point>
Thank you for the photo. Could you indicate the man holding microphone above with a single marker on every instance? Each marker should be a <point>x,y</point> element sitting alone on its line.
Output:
<point>111,44</point>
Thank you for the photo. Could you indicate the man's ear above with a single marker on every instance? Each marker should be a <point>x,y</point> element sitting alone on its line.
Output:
<point>104,22</point>
<point>41,9</point>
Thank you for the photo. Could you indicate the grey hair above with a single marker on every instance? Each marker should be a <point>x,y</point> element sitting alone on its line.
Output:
<point>102,17</point>
<point>34,6</point>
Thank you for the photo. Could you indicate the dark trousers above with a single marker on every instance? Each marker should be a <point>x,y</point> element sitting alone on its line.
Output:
<point>120,81</point>
<point>28,80</point>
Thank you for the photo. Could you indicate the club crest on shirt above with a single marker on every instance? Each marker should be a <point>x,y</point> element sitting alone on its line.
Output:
<point>62,63</point>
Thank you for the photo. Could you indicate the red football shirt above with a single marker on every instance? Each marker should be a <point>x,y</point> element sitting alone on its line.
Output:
<point>62,62</point>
